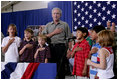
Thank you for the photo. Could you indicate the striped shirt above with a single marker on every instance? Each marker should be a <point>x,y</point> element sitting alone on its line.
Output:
<point>95,59</point>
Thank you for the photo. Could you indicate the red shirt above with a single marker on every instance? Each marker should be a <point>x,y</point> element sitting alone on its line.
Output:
<point>80,56</point>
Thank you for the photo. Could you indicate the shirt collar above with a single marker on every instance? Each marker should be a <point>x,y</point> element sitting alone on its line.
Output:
<point>29,41</point>
<point>58,22</point>
<point>81,41</point>
<point>43,45</point>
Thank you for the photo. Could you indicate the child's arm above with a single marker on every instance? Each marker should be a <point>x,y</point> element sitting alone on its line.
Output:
<point>93,50</point>
<point>39,49</point>
<point>68,54</point>
<point>102,64</point>
<point>75,50</point>
<point>86,50</point>
<point>46,60</point>
<point>36,53</point>
<point>4,49</point>
<point>26,46</point>
<point>22,50</point>
<point>84,72</point>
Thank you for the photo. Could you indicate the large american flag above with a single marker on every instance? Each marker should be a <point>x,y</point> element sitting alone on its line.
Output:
<point>91,13</point>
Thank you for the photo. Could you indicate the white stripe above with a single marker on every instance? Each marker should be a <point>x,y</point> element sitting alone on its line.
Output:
<point>93,58</point>
<point>3,65</point>
<point>19,71</point>
<point>92,76</point>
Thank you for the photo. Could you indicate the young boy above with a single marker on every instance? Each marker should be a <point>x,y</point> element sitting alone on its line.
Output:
<point>42,51</point>
<point>94,50</point>
<point>80,53</point>
<point>27,48</point>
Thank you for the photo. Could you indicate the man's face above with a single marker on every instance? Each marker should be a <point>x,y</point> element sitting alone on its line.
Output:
<point>56,14</point>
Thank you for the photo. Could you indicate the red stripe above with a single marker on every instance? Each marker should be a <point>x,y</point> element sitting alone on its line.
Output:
<point>98,59</point>
<point>109,49</point>
<point>32,67</point>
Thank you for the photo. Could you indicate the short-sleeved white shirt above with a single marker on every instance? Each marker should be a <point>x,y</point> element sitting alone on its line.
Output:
<point>11,55</point>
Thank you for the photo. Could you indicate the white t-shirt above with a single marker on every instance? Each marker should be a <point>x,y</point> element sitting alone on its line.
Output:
<point>11,54</point>
<point>108,72</point>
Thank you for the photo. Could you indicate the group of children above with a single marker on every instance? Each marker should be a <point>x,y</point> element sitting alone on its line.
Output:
<point>96,61</point>
<point>27,50</point>
<point>99,57</point>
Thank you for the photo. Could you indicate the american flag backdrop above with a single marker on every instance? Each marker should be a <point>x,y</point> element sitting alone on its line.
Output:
<point>91,13</point>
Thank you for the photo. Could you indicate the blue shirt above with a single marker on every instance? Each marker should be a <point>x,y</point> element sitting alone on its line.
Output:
<point>94,58</point>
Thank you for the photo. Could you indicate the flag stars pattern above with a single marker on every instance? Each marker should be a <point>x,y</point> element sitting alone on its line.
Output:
<point>103,18</point>
<point>82,9</point>
<point>78,6</point>
<point>94,10</point>
<point>82,18</point>
<point>79,23</point>
<point>78,14</point>
<point>90,24</point>
<point>103,9</point>
<point>99,23</point>
<point>108,12</point>
<point>99,5</point>
<point>99,14</point>
<point>90,7</point>
<point>113,16</point>
<point>90,16</point>
<point>75,11</point>
<point>86,13</point>
<point>92,13</point>
<point>108,3</point>
<point>75,27</point>
<point>86,4</point>
<point>75,3</point>
<point>113,6</point>
<point>94,19</point>
<point>75,19</point>
<point>86,21</point>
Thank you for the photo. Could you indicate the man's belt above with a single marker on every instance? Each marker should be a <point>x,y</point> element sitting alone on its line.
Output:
<point>58,44</point>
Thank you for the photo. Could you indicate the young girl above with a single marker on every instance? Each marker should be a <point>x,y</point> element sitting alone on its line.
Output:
<point>106,55</point>
<point>10,44</point>
<point>42,51</point>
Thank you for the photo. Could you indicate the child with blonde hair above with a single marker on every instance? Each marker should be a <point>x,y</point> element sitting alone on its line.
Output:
<point>42,53</point>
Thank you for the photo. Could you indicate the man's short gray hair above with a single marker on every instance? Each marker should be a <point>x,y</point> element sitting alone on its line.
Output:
<point>57,9</point>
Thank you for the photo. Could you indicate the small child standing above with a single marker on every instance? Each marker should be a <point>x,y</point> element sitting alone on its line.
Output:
<point>106,55</point>
<point>80,53</point>
<point>42,51</point>
<point>10,44</point>
<point>94,50</point>
<point>27,48</point>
